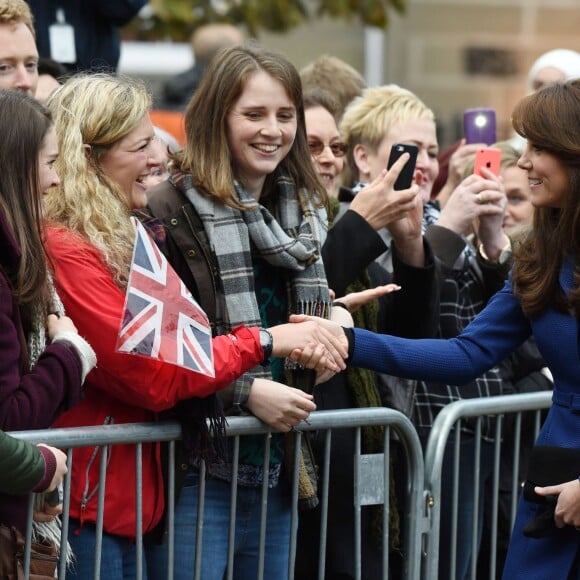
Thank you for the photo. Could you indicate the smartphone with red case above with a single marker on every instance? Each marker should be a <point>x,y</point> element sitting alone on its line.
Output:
<point>479,126</point>
<point>490,158</point>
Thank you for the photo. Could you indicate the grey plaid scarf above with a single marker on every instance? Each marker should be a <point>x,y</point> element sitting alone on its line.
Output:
<point>291,241</point>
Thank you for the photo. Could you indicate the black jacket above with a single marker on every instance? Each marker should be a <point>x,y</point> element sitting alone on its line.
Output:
<point>96,26</point>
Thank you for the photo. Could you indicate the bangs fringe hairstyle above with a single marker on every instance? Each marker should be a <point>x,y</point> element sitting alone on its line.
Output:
<point>370,116</point>
<point>549,120</point>
<point>24,124</point>
<point>95,110</point>
<point>207,156</point>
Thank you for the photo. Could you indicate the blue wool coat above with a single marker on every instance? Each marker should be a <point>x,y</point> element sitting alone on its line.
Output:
<point>498,329</point>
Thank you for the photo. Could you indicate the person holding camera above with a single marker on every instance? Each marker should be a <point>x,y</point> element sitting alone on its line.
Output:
<point>349,252</point>
<point>371,125</point>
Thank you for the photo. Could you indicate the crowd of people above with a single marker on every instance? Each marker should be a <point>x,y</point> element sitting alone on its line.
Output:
<point>325,287</point>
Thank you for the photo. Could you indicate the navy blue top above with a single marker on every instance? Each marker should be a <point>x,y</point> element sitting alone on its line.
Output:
<point>496,331</point>
<point>96,26</point>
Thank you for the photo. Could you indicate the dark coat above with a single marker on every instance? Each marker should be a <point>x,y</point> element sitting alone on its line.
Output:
<point>351,248</point>
<point>178,90</point>
<point>96,26</point>
<point>28,399</point>
<point>495,332</point>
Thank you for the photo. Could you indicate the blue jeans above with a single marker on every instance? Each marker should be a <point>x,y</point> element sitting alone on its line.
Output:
<point>215,533</point>
<point>118,555</point>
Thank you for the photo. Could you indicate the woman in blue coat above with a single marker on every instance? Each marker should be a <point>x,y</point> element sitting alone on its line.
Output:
<point>540,298</point>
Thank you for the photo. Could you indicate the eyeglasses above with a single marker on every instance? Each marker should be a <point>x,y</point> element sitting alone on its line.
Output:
<point>338,149</point>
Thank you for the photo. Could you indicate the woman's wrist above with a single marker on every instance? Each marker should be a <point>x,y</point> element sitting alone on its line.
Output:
<point>349,333</point>
<point>83,349</point>
<point>498,254</point>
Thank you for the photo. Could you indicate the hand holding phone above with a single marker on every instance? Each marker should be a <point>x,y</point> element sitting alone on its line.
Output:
<point>490,158</point>
<point>405,178</point>
<point>479,126</point>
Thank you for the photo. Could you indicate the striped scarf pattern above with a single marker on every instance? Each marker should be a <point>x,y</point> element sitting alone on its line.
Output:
<point>291,240</point>
<point>36,344</point>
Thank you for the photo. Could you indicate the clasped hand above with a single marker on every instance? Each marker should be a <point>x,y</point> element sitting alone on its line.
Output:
<point>311,343</point>
<point>47,510</point>
<point>567,512</point>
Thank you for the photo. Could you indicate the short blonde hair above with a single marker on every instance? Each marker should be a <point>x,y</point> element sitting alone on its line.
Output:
<point>370,116</point>
<point>15,12</point>
<point>95,110</point>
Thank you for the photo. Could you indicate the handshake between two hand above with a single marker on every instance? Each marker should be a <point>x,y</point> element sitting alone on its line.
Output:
<point>321,344</point>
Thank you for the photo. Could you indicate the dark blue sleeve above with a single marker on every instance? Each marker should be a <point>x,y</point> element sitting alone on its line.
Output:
<point>492,335</point>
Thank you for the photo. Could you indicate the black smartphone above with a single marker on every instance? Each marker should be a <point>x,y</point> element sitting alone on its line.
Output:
<point>405,179</point>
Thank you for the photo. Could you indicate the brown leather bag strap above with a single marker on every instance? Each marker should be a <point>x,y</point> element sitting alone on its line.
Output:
<point>187,234</point>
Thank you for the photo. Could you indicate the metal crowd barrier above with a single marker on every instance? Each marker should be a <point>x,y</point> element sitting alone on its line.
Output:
<point>422,545</point>
<point>371,479</point>
<point>448,424</point>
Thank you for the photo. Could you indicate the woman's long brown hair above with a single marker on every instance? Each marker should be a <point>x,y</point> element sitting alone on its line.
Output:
<point>549,120</point>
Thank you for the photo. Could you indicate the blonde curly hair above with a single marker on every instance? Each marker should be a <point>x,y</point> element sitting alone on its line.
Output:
<point>95,110</point>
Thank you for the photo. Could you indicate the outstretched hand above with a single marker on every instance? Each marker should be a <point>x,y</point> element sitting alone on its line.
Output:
<point>332,328</point>
<point>356,300</point>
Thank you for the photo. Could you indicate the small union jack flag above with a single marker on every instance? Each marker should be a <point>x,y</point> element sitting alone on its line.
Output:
<point>161,319</point>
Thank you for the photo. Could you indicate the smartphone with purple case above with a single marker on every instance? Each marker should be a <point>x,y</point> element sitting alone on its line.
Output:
<point>479,125</point>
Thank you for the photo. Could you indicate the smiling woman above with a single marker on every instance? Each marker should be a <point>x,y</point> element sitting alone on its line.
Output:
<point>540,298</point>
<point>128,162</point>
<point>246,182</point>
<point>261,129</point>
<point>327,149</point>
